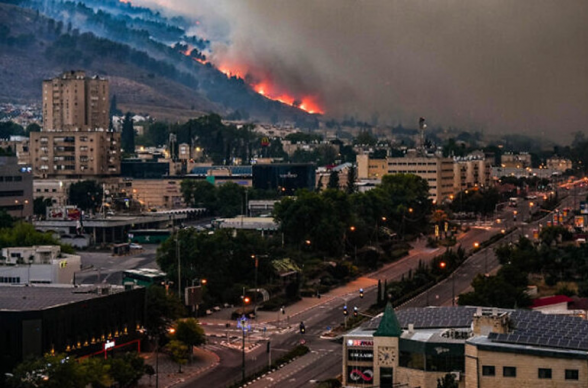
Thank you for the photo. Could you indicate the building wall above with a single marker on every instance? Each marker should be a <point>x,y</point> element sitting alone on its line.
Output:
<point>16,188</point>
<point>559,164</point>
<point>419,378</point>
<point>522,160</point>
<point>527,367</point>
<point>371,168</point>
<point>438,172</point>
<point>20,146</point>
<point>470,173</point>
<point>74,102</point>
<point>79,154</point>
<point>57,271</point>
<point>158,193</point>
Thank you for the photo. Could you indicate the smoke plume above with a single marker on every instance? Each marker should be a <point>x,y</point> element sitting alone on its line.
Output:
<point>502,66</point>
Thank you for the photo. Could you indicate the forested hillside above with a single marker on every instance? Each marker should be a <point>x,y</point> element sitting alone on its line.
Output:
<point>153,66</point>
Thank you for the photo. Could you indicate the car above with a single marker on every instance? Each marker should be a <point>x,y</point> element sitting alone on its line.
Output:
<point>135,246</point>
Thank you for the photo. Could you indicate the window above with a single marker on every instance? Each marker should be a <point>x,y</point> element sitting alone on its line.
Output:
<point>544,373</point>
<point>509,371</point>
<point>572,374</point>
<point>488,370</point>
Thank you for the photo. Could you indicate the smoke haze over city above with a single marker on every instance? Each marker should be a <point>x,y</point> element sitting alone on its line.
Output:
<point>500,66</point>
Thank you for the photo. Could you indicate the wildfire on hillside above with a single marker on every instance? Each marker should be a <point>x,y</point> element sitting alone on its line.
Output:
<point>264,88</point>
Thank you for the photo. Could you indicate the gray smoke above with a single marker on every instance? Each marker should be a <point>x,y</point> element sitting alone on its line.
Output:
<point>503,66</point>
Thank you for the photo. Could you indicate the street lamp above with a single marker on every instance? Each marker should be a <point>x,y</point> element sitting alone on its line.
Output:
<point>242,324</point>
<point>443,265</point>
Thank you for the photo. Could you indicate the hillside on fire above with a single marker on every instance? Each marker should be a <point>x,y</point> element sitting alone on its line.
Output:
<point>153,65</point>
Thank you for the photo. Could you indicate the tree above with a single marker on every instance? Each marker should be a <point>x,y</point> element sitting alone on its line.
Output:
<point>447,381</point>
<point>199,194</point>
<point>40,205</point>
<point>189,332</point>
<point>351,177</point>
<point>128,134</point>
<point>6,220</point>
<point>333,180</point>
<point>178,352</point>
<point>161,309</point>
<point>32,127</point>
<point>50,371</point>
<point>86,195</point>
<point>127,369</point>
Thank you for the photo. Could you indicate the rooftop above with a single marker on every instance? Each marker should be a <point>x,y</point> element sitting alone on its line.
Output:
<point>33,298</point>
<point>526,328</point>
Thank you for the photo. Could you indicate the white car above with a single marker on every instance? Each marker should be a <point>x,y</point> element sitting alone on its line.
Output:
<point>136,246</point>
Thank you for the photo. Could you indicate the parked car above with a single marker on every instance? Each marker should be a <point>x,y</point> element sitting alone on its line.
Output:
<point>136,246</point>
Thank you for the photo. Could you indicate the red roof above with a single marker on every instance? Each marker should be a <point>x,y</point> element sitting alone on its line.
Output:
<point>547,301</point>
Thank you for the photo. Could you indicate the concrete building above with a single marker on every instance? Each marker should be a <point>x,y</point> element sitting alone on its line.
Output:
<point>75,154</point>
<point>75,141</point>
<point>471,171</point>
<point>74,102</point>
<point>38,265</point>
<point>20,146</point>
<point>480,347</point>
<point>557,163</point>
<point>16,188</point>
<point>511,160</point>
<point>437,171</point>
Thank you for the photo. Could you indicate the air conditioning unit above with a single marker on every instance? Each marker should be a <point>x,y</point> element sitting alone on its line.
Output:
<point>456,375</point>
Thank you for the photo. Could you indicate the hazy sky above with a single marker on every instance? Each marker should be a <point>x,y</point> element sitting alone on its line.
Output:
<point>505,66</point>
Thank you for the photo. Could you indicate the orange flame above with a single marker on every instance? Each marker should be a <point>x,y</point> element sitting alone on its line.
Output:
<point>305,103</point>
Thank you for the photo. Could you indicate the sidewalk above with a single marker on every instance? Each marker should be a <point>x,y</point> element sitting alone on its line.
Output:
<point>168,370</point>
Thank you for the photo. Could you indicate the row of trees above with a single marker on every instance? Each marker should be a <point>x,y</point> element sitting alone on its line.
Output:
<point>315,227</point>
<point>552,261</point>
<point>62,371</point>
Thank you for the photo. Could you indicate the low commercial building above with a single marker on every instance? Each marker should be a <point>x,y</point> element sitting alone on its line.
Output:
<point>78,321</point>
<point>44,264</point>
<point>479,347</point>
<point>437,171</point>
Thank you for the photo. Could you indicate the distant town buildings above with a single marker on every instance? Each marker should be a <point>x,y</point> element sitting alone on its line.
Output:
<point>75,141</point>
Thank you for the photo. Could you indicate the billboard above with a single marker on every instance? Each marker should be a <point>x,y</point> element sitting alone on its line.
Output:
<point>360,374</point>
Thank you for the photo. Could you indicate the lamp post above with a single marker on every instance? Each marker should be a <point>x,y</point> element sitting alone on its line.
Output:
<point>179,265</point>
<point>443,265</point>
<point>254,257</point>
<point>242,324</point>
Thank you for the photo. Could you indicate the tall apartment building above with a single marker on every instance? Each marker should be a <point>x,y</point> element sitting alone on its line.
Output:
<point>75,141</point>
<point>74,102</point>
<point>437,171</point>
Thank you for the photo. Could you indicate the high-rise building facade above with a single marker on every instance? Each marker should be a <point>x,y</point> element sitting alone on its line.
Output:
<point>74,102</point>
<point>75,141</point>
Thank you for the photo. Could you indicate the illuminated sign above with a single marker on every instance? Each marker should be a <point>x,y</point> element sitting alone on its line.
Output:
<point>360,355</point>
<point>357,342</point>
<point>109,345</point>
<point>361,375</point>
